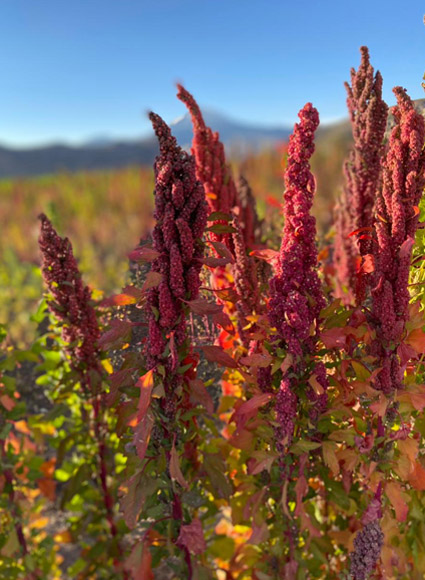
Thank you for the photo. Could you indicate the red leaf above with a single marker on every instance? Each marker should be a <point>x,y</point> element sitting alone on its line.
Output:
<point>242,439</point>
<point>200,395</point>
<point>227,294</point>
<point>259,534</point>
<point>201,306</point>
<point>301,488</point>
<point>217,354</point>
<point>142,434</point>
<point>145,383</point>
<point>261,360</point>
<point>406,247</point>
<point>140,562</point>
<point>213,262</point>
<point>117,380</point>
<point>267,254</point>
<point>270,200</point>
<point>119,331</point>
<point>175,470</point>
<point>144,254</point>
<point>334,337</point>
<point>223,251</point>
<point>249,407</point>
<point>221,319</point>
<point>191,536</point>
<point>153,279</point>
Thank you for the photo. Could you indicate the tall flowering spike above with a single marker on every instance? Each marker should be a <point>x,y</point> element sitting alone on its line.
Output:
<point>180,214</point>
<point>245,278</point>
<point>403,181</point>
<point>368,116</point>
<point>248,217</point>
<point>296,293</point>
<point>72,300</point>
<point>211,167</point>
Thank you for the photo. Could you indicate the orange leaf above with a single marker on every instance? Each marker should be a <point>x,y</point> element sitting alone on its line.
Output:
<point>48,467</point>
<point>368,264</point>
<point>145,383</point>
<point>360,230</point>
<point>396,496</point>
<point>416,340</point>
<point>409,447</point>
<point>22,427</point>
<point>267,254</point>
<point>380,406</point>
<point>47,487</point>
<point>417,477</point>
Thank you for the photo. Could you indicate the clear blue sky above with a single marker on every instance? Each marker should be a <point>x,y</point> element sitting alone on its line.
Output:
<point>74,69</point>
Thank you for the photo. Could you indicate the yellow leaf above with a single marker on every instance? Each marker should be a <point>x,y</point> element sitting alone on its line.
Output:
<point>22,427</point>
<point>63,537</point>
<point>40,523</point>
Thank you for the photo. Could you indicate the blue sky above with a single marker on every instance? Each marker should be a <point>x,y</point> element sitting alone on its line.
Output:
<point>76,69</point>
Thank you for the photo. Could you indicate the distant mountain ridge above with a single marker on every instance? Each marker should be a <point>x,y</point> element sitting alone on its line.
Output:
<point>102,153</point>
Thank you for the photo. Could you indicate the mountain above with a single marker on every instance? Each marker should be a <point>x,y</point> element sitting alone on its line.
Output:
<point>103,153</point>
<point>232,133</point>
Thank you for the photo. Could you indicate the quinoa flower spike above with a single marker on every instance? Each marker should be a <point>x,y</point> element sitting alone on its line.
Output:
<point>368,116</point>
<point>397,216</point>
<point>296,296</point>
<point>180,214</point>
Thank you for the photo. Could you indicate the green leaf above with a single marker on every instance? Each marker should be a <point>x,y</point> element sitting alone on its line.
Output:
<point>303,446</point>
<point>221,229</point>
<point>219,215</point>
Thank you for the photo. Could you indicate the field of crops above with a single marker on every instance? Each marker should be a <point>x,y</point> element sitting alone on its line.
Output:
<point>204,378</point>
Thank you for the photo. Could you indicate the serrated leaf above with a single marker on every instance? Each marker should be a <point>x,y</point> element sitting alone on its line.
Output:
<point>331,460</point>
